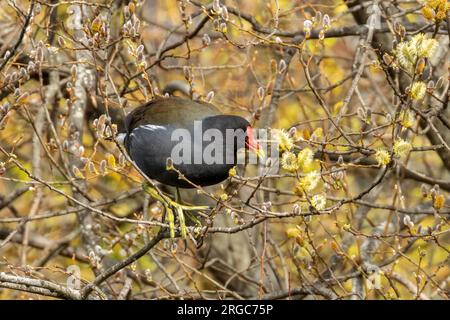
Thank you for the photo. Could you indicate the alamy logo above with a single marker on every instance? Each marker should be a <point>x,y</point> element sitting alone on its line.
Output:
<point>213,146</point>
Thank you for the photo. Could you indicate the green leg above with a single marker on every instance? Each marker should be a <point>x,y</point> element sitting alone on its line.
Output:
<point>171,206</point>
<point>178,196</point>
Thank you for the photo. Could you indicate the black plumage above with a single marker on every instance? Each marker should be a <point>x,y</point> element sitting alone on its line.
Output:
<point>149,140</point>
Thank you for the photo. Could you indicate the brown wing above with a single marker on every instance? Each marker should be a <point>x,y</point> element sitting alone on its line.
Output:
<point>179,112</point>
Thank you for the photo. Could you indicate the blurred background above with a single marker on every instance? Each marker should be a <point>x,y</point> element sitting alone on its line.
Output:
<point>355,92</point>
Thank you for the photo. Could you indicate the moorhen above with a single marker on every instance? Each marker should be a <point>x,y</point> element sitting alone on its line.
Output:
<point>153,131</point>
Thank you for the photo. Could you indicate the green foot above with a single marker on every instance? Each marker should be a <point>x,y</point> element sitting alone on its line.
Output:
<point>171,206</point>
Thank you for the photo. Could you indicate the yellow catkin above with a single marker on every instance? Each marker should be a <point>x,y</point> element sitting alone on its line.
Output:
<point>289,162</point>
<point>439,202</point>
<point>428,13</point>
<point>383,158</point>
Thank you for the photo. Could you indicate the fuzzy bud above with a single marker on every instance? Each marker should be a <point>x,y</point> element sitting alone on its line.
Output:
<point>217,8</point>
<point>103,169</point>
<point>282,66</point>
<point>206,40</point>
<point>326,21</point>
<point>439,83</point>
<point>292,131</point>
<point>407,221</point>
<point>261,93</point>
<point>224,14</point>
<point>209,96</point>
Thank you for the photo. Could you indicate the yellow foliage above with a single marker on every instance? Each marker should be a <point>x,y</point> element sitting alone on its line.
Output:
<point>293,232</point>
